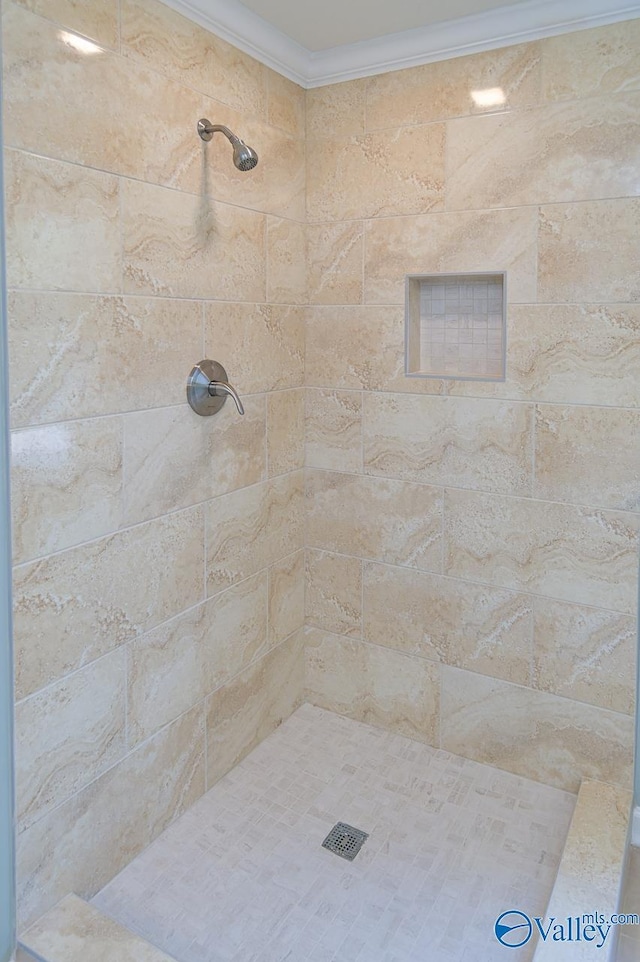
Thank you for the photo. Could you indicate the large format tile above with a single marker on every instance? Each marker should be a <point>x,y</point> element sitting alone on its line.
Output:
<point>79,355</point>
<point>554,740</point>
<point>376,174</point>
<point>285,431</point>
<point>99,21</point>
<point>68,734</point>
<point>335,263</point>
<point>66,485</point>
<point>253,528</point>
<point>481,444</point>
<point>451,242</point>
<point>484,629</point>
<point>584,253</point>
<point>72,607</point>
<point>337,110</point>
<point>334,592</point>
<point>374,685</point>
<point>333,430</point>
<point>286,597</point>
<point>603,60</point>
<point>559,152</point>
<point>286,104</point>
<point>286,262</point>
<point>584,653</point>
<point>588,455</point>
<point>571,553</point>
<point>83,843</point>
<point>46,200</point>
<point>385,520</point>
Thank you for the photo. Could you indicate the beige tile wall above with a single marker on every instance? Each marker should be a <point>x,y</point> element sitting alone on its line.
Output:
<point>480,541</point>
<point>159,580</point>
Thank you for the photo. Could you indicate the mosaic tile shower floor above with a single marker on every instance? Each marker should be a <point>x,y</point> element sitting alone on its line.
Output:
<point>242,876</point>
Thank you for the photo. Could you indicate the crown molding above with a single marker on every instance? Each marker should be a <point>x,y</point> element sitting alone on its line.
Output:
<point>516,23</point>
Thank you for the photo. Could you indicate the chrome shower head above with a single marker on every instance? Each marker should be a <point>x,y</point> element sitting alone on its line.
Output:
<point>244,157</point>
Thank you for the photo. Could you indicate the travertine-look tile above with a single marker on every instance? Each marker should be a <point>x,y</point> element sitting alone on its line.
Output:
<point>262,344</point>
<point>571,553</point>
<point>46,200</point>
<point>286,597</point>
<point>334,592</point>
<point>336,110</point>
<point>253,528</point>
<point>376,174</point>
<point>68,734</point>
<point>75,931</point>
<point>83,843</point>
<point>240,715</point>
<point>554,740</point>
<point>286,267</point>
<point>190,54</point>
<point>560,152</point>
<point>484,629</point>
<point>99,21</point>
<point>72,607</point>
<point>333,430</point>
<point>174,666</point>
<point>376,518</point>
<point>445,89</point>
<point>494,240</point>
<point>285,431</point>
<point>584,252</point>
<point>183,245</point>
<point>374,685</point>
<point>584,653</point>
<point>599,61</point>
<point>335,263</point>
<point>103,354</point>
<point>66,485</point>
<point>588,455</point>
<point>173,458</point>
<point>286,104</point>
<point>481,444</point>
<point>110,93</point>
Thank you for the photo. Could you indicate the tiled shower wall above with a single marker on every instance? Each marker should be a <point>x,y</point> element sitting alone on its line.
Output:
<point>159,564</point>
<point>472,549</point>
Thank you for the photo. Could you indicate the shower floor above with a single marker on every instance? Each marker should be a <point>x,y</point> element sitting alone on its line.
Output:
<point>243,877</point>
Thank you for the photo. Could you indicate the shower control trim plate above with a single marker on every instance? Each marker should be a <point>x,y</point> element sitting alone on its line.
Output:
<point>208,388</point>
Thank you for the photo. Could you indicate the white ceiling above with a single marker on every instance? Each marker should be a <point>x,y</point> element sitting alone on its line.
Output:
<point>319,24</point>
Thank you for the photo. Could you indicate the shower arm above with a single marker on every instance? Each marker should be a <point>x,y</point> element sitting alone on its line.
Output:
<point>207,131</point>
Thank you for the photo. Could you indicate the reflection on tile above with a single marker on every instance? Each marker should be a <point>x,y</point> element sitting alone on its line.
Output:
<point>377,174</point>
<point>173,458</point>
<point>99,21</point>
<point>374,685</point>
<point>286,597</point>
<point>484,629</point>
<point>285,104</point>
<point>67,734</point>
<point>286,280</point>
<point>588,455</point>
<point>240,715</point>
<point>585,653</point>
<point>560,152</point>
<point>334,430</point>
<point>66,485</point>
<point>599,61</point>
<point>285,431</point>
<point>262,344</point>
<point>190,54</point>
<point>250,529</point>
<point>79,207</point>
<point>83,843</point>
<point>173,667</point>
<point>438,91</point>
<point>336,110</point>
<point>392,521</point>
<point>334,263</point>
<point>554,740</point>
<point>111,354</point>
<point>585,254</point>
<point>494,240</point>
<point>480,444</point>
<point>334,592</point>
<point>70,608</point>
<point>565,552</point>
<point>182,245</point>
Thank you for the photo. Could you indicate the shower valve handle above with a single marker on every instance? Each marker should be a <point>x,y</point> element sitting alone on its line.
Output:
<point>208,388</point>
<point>222,388</point>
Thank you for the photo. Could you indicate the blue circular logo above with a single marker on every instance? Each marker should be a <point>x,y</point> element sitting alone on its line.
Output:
<point>513,929</point>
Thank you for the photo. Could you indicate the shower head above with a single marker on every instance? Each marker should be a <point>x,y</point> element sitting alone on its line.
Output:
<point>244,157</point>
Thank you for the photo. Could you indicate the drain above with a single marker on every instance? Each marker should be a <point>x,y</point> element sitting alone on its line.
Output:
<point>345,840</point>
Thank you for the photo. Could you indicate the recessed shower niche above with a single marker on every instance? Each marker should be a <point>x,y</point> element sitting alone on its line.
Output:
<point>456,326</point>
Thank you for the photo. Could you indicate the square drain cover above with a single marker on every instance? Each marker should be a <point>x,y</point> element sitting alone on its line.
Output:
<point>345,840</point>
